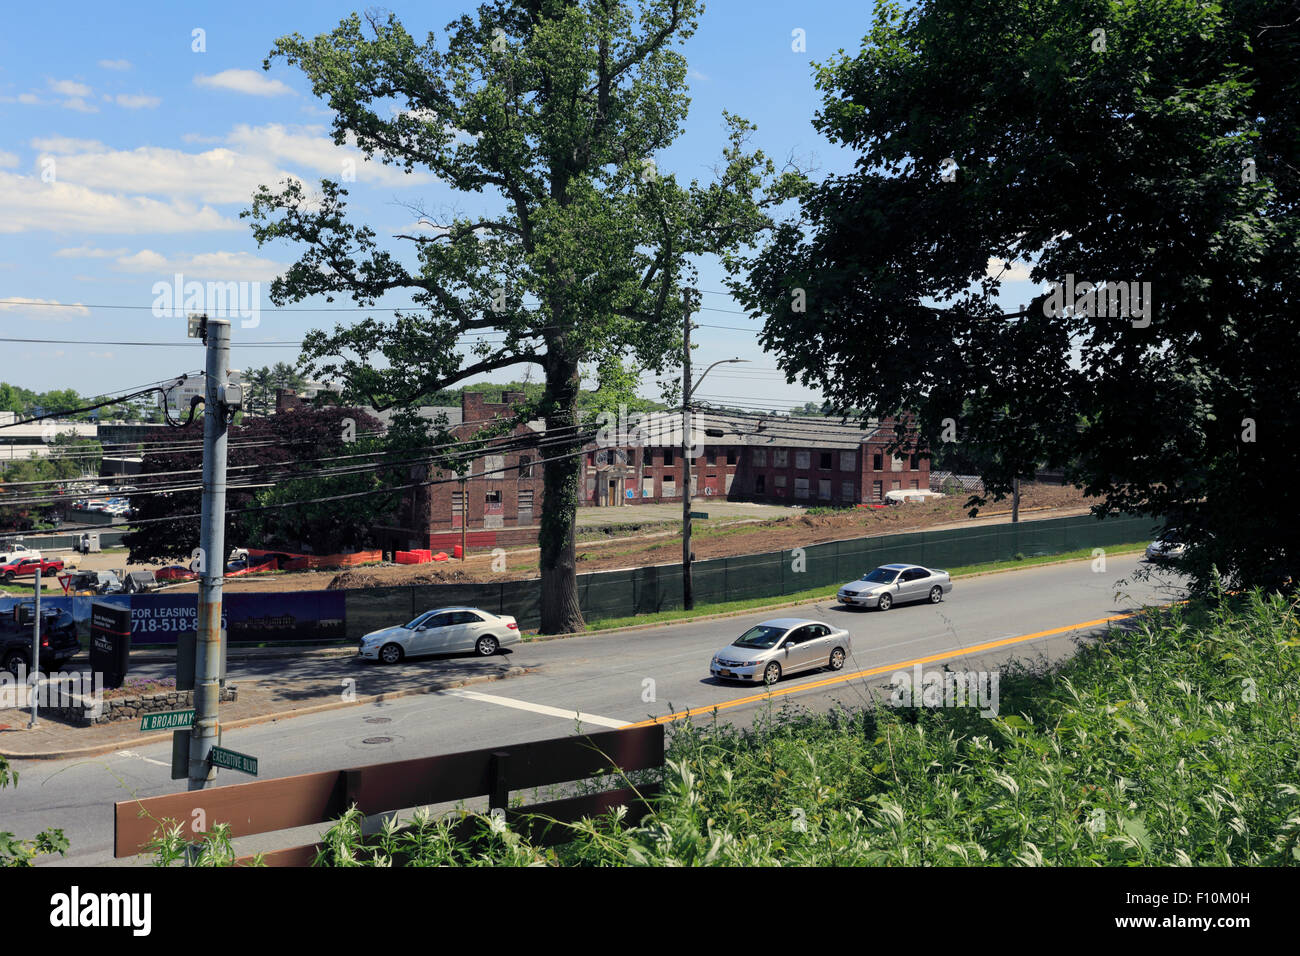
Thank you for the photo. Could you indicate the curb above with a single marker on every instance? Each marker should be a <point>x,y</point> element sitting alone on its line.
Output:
<point>537,639</point>
<point>104,748</point>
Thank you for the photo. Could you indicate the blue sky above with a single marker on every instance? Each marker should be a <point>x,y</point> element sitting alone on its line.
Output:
<point>154,149</point>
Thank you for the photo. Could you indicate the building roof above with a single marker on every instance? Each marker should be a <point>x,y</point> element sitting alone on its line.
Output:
<point>751,431</point>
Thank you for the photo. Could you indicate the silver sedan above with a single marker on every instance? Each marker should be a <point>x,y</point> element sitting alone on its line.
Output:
<point>445,630</point>
<point>786,645</point>
<point>892,584</point>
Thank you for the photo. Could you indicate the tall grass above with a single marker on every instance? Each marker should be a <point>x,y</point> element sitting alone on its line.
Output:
<point>1171,742</point>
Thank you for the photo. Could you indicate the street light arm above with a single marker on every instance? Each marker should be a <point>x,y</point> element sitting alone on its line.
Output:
<point>731,361</point>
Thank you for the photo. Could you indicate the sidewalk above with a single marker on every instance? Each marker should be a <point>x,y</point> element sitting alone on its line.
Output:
<point>316,683</point>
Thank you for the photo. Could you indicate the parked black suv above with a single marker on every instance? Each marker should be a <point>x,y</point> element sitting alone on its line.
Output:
<point>59,643</point>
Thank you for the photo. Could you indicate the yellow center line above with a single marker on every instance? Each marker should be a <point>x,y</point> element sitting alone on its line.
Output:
<point>871,672</point>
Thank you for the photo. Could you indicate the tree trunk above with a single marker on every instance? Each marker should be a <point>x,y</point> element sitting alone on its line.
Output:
<point>561,613</point>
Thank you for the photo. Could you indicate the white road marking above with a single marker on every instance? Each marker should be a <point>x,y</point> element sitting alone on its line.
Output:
<point>538,708</point>
<point>131,753</point>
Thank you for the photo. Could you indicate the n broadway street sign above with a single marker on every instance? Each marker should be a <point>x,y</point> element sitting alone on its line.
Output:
<point>168,720</point>
<point>233,760</point>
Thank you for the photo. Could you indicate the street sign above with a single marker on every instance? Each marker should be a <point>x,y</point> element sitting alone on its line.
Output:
<point>167,720</point>
<point>233,760</point>
<point>699,514</point>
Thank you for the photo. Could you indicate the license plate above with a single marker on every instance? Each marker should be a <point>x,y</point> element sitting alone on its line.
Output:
<point>844,599</point>
<point>725,673</point>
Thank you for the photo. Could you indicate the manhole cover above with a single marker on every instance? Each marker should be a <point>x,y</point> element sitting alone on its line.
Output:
<point>379,720</point>
<point>378,740</point>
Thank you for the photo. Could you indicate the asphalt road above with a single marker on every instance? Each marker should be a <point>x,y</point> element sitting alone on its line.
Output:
<point>602,681</point>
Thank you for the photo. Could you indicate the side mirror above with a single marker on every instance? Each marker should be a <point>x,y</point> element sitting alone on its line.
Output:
<point>787,645</point>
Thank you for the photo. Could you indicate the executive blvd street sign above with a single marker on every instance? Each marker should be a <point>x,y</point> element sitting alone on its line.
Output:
<point>233,760</point>
<point>167,720</point>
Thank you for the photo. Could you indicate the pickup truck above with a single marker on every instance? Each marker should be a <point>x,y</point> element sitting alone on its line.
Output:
<point>59,643</point>
<point>26,567</point>
<point>12,552</point>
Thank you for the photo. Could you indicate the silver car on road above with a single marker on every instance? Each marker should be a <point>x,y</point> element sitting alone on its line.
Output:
<point>785,645</point>
<point>892,584</point>
<point>444,630</point>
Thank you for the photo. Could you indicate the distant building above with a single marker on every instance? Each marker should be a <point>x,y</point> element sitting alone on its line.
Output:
<point>803,461</point>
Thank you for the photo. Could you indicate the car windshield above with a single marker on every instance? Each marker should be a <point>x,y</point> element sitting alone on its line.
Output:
<point>880,576</point>
<point>418,621</point>
<point>761,636</point>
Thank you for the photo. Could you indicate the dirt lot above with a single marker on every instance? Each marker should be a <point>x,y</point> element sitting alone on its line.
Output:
<point>664,547</point>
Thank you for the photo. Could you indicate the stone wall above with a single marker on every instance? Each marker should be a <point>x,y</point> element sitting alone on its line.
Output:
<point>80,712</point>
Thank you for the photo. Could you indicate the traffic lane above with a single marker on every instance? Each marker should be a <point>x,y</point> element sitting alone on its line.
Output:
<point>649,673</point>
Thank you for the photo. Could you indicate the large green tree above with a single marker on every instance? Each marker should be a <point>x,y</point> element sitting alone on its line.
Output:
<point>547,117</point>
<point>1139,141</point>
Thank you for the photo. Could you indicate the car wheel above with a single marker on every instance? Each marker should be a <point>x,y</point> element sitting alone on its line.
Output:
<point>837,658</point>
<point>936,594</point>
<point>391,653</point>
<point>9,577</point>
<point>486,646</point>
<point>14,660</point>
<point>885,602</point>
<point>771,673</point>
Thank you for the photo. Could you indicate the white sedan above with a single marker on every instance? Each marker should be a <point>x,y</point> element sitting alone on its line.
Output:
<point>892,584</point>
<point>445,630</point>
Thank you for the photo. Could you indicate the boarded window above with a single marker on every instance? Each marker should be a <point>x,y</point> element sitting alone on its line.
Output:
<point>848,460</point>
<point>670,487</point>
<point>781,458</point>
<point>896,463</point>
<point>760,457</point>
<point>803,460</point>
<point>846,491</point>
<point>916,485</point>
<point>877,491</point>
<point>778,481</point>
<point>824,489</point>
<point>801,487</point>
<point>526,506</point>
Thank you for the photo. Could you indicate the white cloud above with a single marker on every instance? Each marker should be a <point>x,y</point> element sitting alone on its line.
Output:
<point>1015,271</point>
<point>8,159</point>
<point>80,105</point>
<point>252,82</point>
<point>115,64</point>
<point>215,176</point>
<point>308,146</point>
<point>137,101</point>
<point>28,204</point>
<point>69,88</point>
<point>226,266</point>
<point>44,310</point>
<point>25,98</point>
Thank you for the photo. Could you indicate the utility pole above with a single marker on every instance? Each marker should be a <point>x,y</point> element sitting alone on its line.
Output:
<point>464,519</point>
<point>688,596</point>
<point>219,400</point>
<point>36,648</point>
<point>689,298</point>
<point>1015,499</point>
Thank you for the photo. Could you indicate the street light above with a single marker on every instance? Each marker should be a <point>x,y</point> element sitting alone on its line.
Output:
<point>688,596</point>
